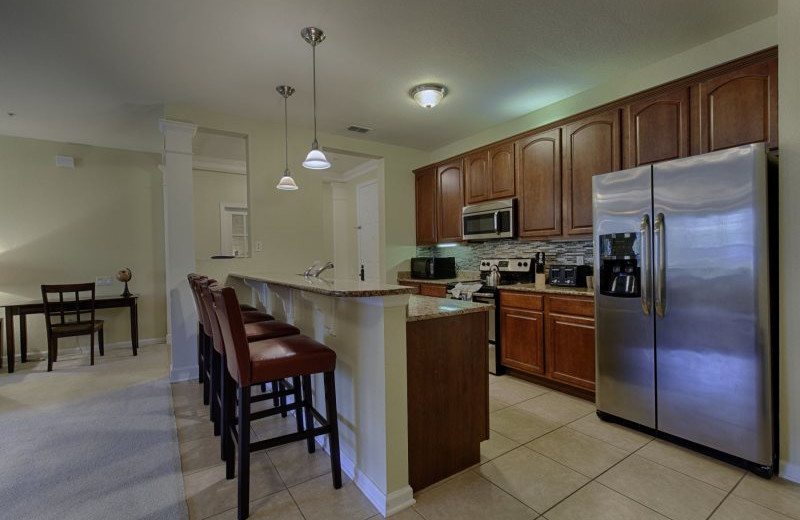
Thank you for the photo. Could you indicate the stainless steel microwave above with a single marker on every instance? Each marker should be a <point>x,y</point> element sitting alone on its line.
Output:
<point>488,220</point>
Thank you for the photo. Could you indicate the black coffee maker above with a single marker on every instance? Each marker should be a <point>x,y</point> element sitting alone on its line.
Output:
<point>620,265</point>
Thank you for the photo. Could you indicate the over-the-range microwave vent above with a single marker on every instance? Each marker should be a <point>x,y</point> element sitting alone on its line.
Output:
<point>359,129</point>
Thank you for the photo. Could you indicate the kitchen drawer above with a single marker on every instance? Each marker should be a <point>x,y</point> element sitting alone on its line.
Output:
<point>520,300</point>
<point>436,290</point>
<point>575,306</point>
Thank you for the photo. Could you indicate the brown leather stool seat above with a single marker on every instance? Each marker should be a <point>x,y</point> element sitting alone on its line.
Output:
<point>261,330</point>
<point>289,356</point>
<point>244,307</point>
<point>254,363</point>
<point>254,315</point>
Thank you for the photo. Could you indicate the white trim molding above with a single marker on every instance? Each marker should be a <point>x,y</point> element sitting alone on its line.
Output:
<point>789,471</point>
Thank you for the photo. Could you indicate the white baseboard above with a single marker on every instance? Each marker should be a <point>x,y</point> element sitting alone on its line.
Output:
<point>178,374</point>
<point>789,471</point>
<point>386,505</point>
<point>85,348</point>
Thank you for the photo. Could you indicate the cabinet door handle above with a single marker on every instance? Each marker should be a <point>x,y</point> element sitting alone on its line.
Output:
<point>644,230</point>
<point>661,266</point>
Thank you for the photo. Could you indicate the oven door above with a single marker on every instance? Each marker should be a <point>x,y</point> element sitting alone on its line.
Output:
<point>492,347</point>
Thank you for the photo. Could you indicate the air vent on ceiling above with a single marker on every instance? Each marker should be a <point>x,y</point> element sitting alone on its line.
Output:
<point>359,129</point>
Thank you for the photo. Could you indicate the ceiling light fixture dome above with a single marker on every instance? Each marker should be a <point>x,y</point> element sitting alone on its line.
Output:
<point>315,160</point>
<point>428,95</point>
<point>286,183</point>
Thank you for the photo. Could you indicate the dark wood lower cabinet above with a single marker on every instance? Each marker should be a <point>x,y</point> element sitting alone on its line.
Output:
<point>570,350</point>
<point>448,395</point>
<point>550,337</point>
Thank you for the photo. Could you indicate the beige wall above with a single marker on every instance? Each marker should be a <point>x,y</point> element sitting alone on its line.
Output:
<point>292,225</point>
<point>789,219</point>
<point>63,225</point>
<point>210,190</point>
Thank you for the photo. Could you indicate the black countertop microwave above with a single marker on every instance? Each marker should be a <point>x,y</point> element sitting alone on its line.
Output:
<point>433,268</point>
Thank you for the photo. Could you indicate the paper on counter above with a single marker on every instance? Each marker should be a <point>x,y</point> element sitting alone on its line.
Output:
<point>466,289</point>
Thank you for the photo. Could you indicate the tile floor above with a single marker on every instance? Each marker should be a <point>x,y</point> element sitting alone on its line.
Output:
<point>549,457</point>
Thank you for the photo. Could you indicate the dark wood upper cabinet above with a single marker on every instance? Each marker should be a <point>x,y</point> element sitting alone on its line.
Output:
<point>539,184</point>
<point>489,174</point>
<point>476,178</point>
<point>501,171</point>
<point>425,197</point>
<point>450,201</point>
<point>740,107</point>
<point>591,147</point>
<point>658,128</point>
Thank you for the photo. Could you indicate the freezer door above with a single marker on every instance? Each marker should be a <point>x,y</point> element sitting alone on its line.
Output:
<point>624,335</point>
<point>712,301</point>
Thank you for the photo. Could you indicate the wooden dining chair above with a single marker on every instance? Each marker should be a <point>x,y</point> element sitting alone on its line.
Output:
<point>69,311</point>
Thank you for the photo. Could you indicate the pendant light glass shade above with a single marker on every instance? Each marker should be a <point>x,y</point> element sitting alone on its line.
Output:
<point>315,160</point>
<point>286,182</point>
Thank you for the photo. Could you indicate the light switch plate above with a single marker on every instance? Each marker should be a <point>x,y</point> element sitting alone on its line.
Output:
<point>103,280</point>
<point>259,245</point>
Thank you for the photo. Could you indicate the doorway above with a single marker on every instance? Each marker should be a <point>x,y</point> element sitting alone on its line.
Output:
<point>356,223</point>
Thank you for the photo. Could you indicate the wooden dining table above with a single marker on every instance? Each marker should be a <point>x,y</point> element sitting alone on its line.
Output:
<point>23,308</point>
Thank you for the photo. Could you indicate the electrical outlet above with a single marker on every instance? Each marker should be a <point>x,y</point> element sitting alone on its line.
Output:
<point>579,259</point>
<point>259,245</point>
<point>103,280</point>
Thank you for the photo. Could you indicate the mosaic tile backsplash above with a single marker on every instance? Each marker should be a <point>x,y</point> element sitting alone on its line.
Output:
<point>556,252</point>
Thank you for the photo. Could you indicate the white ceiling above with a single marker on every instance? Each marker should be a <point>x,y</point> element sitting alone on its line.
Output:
<point>99,71</point>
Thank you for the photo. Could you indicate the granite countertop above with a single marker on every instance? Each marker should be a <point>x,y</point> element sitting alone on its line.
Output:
<point>327,286</point>
<point>549,289</point>
<point>428,308</point>
<point>461,276</point>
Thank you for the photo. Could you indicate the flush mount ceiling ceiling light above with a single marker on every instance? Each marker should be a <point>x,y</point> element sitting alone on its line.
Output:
<point>428,95</point>
<point>286,182</point>
<point>315,160</point>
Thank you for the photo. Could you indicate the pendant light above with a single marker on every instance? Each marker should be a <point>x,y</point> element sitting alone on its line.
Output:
<point>315,160</point>
<point>286,182</point>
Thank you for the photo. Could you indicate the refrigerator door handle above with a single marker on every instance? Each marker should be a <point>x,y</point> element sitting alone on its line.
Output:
<point>661,266</point>
<point>646,275</point>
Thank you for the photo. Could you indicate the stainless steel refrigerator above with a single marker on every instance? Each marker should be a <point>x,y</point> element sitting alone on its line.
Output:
<point>682,302</point>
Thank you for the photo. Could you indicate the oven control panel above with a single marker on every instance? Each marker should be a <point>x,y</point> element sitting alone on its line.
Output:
<point>519,265</point>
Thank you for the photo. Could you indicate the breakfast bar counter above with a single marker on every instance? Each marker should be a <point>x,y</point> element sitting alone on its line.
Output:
<point>365,324</point>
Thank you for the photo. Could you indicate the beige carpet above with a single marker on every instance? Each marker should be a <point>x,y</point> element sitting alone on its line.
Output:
<point>91,442</point>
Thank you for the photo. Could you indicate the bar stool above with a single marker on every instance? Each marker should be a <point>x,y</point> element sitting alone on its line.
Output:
<point>254,363</point>
<point>203,334</point>
<point>210,361</point>
<point>254,331</point>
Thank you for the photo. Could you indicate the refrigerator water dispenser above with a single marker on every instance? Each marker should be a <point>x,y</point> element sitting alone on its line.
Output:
<point>620,273</point>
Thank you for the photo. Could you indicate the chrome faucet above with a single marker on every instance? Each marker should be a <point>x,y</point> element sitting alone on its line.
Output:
<point>316,269</point>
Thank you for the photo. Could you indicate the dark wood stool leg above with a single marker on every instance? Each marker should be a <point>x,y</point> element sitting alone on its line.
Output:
<point>298,412</point>
<point>276,402</point>
<point>102,342</point>
<point>333,421</point>
<point>229,411</point>
<point>200,334</point>
<point>307,407</point>
<point>206,367</point>
<point>214,390</point>
<point>243,495</point>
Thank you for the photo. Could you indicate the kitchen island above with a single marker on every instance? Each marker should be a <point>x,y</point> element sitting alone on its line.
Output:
<point>365,324</point>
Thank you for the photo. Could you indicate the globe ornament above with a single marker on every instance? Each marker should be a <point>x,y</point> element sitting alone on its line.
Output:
<point>125,275</point>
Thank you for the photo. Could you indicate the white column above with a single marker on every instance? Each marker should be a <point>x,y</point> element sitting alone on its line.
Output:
<point>789,135</point>
<point>179,248</point>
